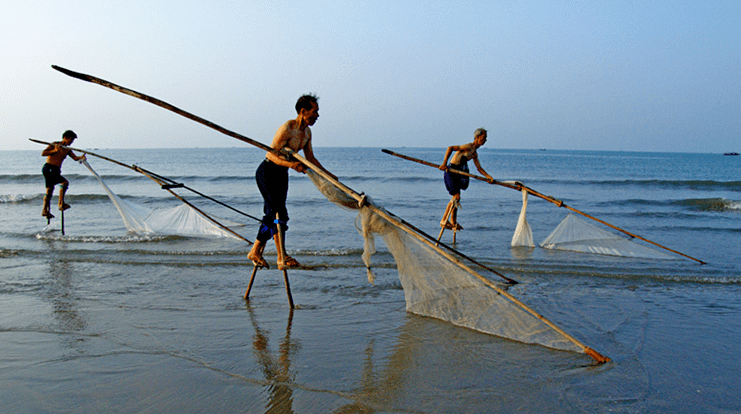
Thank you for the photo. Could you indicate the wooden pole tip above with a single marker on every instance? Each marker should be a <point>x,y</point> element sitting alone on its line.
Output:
<point>596,355</point>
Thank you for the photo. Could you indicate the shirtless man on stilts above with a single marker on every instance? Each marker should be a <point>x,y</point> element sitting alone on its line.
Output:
<point>272,180</point>
<point>454,183</point>
<point>52,171</point>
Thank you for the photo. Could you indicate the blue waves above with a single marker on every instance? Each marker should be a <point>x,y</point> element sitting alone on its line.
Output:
<point>705,185</point>
<point>709,204</point>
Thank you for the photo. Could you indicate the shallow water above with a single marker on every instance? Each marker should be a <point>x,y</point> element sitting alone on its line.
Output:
<point>99,320</point>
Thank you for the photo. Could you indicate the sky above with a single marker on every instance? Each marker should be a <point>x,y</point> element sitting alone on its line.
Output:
<point>659,76</point>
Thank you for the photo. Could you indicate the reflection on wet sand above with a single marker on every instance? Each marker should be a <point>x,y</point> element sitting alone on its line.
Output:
<point>277,371</point>
<point>384,379</point>
<point>382,384</point>
<point>63,296</point>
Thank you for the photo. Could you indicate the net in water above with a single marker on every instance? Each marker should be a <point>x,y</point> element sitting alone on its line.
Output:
<point>576,234</point>
<point>181,220</point>
<point>436,287</point>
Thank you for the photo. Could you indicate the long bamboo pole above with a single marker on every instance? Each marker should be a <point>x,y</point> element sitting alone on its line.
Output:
<point>154,178</point>
<point>519,187</point>
<point>361,199</point>
<point>163,104</point>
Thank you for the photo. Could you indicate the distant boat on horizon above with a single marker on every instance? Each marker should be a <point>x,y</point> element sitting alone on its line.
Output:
<point>731,153</point>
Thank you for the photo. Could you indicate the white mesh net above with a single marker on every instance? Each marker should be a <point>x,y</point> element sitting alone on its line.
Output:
<point>523,236</point>
<point>434,286</point>
<point>181,220</point>
<point>578,235</point>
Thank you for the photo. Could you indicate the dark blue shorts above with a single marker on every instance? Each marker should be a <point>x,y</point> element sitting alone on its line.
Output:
<point>455,183</point>
<point>52,175</point>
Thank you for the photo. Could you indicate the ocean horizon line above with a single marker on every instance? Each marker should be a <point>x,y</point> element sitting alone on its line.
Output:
<point>483,149</point>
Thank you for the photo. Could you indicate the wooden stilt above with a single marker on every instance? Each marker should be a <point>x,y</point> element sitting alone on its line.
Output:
<point>249,287</point>
<point>445,220</point>
<point>439,236</point>
<point>282,257</point>
<point>288,289</point>
<point>281,248</point>
<point>285,280</point>
<point>61,218</point>
<point>448,213</point>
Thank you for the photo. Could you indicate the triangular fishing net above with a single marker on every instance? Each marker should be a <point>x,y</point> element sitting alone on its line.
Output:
<point>523,236</point>
<point>435,286</point>
<point>181,220</point>
<point>578,235</point>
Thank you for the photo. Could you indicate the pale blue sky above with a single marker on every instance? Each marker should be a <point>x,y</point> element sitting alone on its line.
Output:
<point>630,75</point>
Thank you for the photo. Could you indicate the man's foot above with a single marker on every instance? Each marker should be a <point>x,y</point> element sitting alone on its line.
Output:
<point>47,214</point>
<point>255,254</point>
<point>288,263</point>
<point>258,260</point>
<point>64,206</point>
<point>260,263</point>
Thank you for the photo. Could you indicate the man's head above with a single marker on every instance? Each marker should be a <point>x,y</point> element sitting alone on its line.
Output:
<point>69,136</point>
<point>479,136</point>
<point>308,107</point>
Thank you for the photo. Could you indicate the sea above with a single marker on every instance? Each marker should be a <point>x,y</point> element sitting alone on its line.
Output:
<point>102,320</point>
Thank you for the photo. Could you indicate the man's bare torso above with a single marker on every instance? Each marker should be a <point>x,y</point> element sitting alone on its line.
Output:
<point>56,157</point>
<point>289,135</point>
<point>466,153</point>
